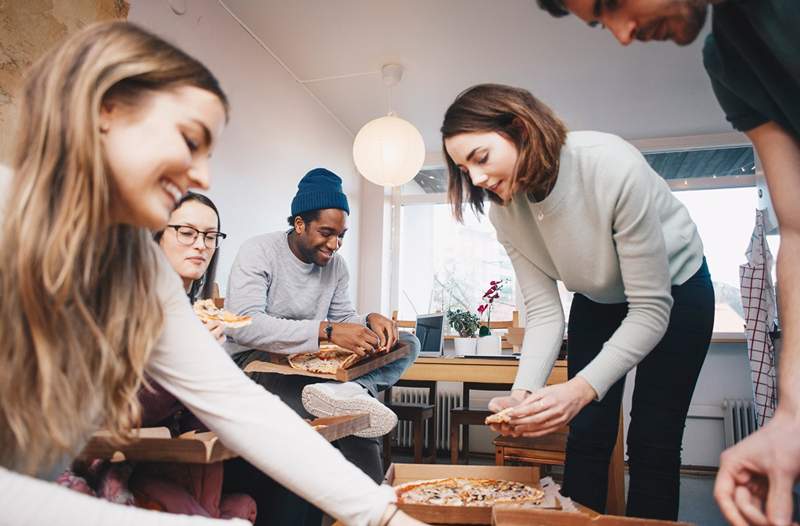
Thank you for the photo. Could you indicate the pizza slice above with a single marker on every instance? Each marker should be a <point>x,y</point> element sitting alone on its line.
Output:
<point>207,311</point>
<point>328,360</point>
<point>501,417</point>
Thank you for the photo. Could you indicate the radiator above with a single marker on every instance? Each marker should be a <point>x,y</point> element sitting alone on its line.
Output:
<point>739,418</point>
<point>444,403</point>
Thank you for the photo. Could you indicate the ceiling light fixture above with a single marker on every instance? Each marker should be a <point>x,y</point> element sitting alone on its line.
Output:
<point>389,151</point>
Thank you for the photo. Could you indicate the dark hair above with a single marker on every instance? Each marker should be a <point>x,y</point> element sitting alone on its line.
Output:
<point>554,7</point>
<point>307,217</point>
<point>202,288</point>
<point>536,132</point>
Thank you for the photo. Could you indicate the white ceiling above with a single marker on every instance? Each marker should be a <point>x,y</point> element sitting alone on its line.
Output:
<point>643,91</point>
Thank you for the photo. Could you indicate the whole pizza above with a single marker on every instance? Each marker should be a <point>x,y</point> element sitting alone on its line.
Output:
<point>458,491</point>
<point>325,361</point>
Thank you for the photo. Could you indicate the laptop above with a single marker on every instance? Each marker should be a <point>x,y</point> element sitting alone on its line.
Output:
<point>430,332</point>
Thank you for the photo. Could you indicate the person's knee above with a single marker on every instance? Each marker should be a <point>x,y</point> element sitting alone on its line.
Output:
<point>413,342</point>
<point>591,444</point>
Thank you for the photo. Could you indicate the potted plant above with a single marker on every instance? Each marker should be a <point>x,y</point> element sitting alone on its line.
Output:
<point>489,343</point>
<point>466,324</point>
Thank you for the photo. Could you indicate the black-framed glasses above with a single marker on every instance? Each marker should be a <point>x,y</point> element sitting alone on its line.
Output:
<point>187,235</point>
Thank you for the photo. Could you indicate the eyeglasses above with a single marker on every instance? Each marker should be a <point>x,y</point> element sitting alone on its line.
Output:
<point>187,235</point>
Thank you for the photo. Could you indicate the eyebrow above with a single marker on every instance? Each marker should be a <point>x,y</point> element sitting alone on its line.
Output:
<point>472,153</point>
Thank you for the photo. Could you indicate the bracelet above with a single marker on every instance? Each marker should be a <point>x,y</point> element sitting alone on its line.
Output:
<point>389,519</point>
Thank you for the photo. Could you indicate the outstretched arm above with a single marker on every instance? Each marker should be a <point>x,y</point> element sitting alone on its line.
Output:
<point>757,475</point>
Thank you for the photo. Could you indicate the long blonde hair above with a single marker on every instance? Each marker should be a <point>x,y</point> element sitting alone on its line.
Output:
<point>79,315</point>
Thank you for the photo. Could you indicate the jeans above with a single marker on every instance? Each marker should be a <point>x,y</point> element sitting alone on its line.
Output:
<point>665,381</point>
<point>280,506</point>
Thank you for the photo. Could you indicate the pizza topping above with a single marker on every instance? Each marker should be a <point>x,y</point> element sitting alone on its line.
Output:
<point>467,492</point>
<point>501,417</point>
<point>327,360</point>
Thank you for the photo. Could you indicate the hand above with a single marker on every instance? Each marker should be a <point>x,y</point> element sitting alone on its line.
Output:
<point>385,328</point>
<point>401,519</point>
<point>354,337</point>
<point>550,408</point>
<point>499,403</point>
<point>217,329</point>
<point>756,476</point>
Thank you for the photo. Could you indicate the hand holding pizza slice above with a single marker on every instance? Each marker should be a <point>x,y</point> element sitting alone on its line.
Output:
<point>207,311</point>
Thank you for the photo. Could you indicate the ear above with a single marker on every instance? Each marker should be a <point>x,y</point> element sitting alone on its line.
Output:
<point>108,111</point>
<point>299,225</point>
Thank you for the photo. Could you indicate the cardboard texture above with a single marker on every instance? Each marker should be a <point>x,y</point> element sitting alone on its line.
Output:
<point>401,473</point>
<point>280,365</point>
<point>154,444</point>
<point>506,515</point>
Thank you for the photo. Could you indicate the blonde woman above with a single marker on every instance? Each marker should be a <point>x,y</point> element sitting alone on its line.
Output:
<point>116,126</point>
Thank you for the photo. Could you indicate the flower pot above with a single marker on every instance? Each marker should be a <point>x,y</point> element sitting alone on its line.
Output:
<point>465,346</point>
<point>489,345</point>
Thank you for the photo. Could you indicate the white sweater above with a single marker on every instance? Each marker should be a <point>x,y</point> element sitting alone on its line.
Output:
<point>611,230</point>
<point>190,364</point>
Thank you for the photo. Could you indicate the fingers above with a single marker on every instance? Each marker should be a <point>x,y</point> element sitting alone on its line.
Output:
<point>750,507</point>
<point>779,498</point>
<point>539,432</point>
<point>724,489</point>
<point>547,418</point>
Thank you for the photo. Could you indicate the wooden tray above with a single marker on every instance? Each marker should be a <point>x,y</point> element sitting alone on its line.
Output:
<point>280,365</point>
<point>508,515</point>
<point>156,445</point>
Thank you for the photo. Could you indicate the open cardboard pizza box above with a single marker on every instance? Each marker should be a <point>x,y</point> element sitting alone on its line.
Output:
<point>509,515</point>
<point>155,444</point>
<point>279,364</point>
<point>401,473</point>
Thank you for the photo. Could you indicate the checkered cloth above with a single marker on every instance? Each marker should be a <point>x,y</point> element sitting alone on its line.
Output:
<point>758,300</point>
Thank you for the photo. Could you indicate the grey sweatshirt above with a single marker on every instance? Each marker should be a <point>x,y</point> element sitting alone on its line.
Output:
<point>286,297</point>
<point>611,230</point>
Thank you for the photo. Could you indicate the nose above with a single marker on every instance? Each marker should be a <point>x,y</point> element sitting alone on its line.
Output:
<point>199,175</point>
<point>478,178</point>
<point>199,242</point>
<point>623,30</point>
<point>334,243</point>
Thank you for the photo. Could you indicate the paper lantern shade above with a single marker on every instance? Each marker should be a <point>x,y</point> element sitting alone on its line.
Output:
<point>389,151</point>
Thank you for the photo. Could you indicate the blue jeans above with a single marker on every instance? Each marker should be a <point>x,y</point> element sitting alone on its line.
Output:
<point>665,381</point>
<point>388,375</point>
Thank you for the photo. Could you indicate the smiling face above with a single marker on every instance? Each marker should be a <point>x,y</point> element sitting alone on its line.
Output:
<point>318,240</point>
<point>190,261</point>
<point>645,20</point>
<point>158,150</point>
<point>488,159</point>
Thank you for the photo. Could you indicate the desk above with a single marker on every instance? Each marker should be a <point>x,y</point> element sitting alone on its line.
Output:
<point>504,371</point>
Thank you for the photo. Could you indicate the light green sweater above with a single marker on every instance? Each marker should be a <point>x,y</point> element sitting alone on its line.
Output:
<point>610,230</point>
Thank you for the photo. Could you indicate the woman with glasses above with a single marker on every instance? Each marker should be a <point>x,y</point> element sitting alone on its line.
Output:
<point>190,243</point>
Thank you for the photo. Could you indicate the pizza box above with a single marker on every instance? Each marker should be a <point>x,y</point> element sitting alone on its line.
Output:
<point>509,515</point>
<point>401,473</point>
<point>155,444</point>
<point>279,364</point>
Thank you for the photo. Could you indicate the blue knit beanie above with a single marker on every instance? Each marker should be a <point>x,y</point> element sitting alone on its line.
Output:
<point>319,189</point>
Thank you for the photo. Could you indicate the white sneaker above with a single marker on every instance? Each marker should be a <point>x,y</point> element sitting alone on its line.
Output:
<point>349,398</point>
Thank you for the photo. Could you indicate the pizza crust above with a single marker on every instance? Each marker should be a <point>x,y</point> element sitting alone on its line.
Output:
<point>207,311</point>
<point>501,417</point>
<point>471,492</point>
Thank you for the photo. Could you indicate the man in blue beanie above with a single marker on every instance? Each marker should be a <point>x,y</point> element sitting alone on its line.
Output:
<point>295,286</point>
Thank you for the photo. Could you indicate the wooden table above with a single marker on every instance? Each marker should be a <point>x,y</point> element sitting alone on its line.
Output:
<point>499,371</point>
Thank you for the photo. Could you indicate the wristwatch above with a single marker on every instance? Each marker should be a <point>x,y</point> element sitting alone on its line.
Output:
<point>328,331</point>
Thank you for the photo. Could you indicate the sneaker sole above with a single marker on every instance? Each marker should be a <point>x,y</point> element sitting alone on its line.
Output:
<point>321,404</point>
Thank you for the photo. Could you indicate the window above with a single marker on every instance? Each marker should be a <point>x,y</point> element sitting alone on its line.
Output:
<point>725,218</point>
<point>445,264</point>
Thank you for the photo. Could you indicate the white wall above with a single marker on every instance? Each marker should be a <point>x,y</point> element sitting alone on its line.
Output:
<point>277,132</point>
